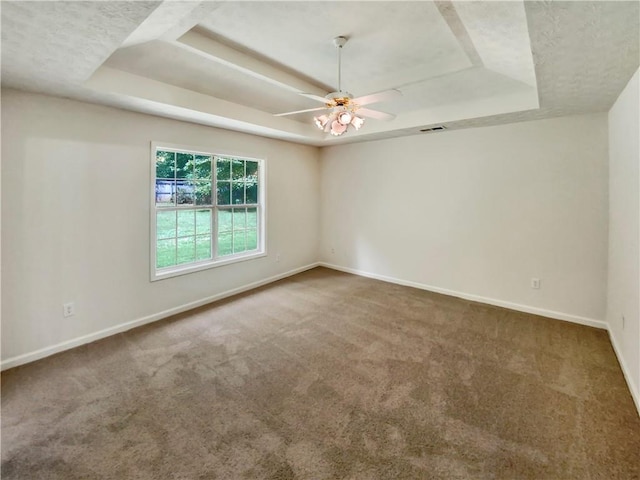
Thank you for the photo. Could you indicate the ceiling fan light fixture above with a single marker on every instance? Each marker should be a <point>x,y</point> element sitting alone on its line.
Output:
<point>357,122</point>
<point>337,128</point>
<point>321,121</point>
<point>345,117</point>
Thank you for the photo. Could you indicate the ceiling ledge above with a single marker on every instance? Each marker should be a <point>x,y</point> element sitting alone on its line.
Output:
<point>168,100</point>
<point>215,51</point>
<point>483,107</point>
<point>166,18</point>
<point>203,108</point>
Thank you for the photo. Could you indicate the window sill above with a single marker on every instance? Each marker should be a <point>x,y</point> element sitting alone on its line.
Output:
<point>191,268</point>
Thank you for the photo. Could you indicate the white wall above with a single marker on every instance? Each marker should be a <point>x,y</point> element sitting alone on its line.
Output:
<point>75,212</point>
<point>624,231</point>
<point>478,212</point>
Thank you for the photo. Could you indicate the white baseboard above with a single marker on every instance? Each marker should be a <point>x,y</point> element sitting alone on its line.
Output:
<point>123,327</point>
<point>475,298</point>
<point>635,394</point>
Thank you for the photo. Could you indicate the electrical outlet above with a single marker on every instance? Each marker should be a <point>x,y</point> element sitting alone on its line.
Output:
<point>277,257</point>
<point>535,283</point>
<point>69,309</point>
<point>333,250</point>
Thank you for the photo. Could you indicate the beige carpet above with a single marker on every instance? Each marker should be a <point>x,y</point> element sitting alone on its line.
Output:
<point>327,375</point>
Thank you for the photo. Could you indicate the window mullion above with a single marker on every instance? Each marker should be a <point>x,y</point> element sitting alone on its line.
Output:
<point>214,208</point>
<point>195,217</point>
<point>176,238</point>
<point>232,228</point>
<point>244,201</point>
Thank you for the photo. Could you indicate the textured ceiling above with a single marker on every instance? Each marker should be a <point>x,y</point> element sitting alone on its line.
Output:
<point>585,53</point>
<point>234,64</point>
<point>389,46</point>
<point>56,45</point>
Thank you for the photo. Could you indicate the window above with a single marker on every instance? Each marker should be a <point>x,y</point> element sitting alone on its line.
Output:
<point>207,210</point>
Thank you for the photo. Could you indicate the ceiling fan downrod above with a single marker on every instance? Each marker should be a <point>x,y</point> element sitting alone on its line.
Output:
<point>340,42</point>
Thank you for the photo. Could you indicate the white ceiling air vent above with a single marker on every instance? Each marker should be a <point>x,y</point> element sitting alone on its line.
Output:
<point>434,129</point>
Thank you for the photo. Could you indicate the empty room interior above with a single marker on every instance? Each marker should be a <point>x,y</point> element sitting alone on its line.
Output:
<point>320,240</point>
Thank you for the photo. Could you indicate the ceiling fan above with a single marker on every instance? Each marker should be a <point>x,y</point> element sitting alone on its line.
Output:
<point>344,110</point>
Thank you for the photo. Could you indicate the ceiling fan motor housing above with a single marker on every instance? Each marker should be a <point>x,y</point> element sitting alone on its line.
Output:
<point>339,98</point>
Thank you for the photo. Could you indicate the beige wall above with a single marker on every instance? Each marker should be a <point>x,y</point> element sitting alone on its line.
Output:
<point>478,213</point>
<point>75,214</point>
<point>624,232</point>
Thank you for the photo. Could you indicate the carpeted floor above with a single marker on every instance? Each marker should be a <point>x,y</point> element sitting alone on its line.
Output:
<point>327,375</point>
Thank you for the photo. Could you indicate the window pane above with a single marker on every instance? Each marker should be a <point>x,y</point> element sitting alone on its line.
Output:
<point>184,193</point>
<point>184,165</point>
<point>165,253</point>
<point>203,247</point>
<point>186,250</point>
<point>238,241</point>
<point>223,169</point>
<point>224,193</point>
<point>237,193</point>
<point>252,171</point>
<point>166,224</point>
<point>237,170</point>
<point>224,221</point>
<point>239,218</point>
<point>252,193</point>
<point>165,192</point>
<point>252,239</point>
<point>224,244</point>
<point>203,221</point>
<point>165,164</point>
<point>252,218</point>
<point>203,193</point>
<point>186,222</point>
<point>203,167</point>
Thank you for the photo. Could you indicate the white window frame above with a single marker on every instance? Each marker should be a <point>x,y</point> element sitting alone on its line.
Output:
<point>215,261</point>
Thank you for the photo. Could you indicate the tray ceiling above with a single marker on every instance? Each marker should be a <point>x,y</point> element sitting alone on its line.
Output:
<point>236,64</point>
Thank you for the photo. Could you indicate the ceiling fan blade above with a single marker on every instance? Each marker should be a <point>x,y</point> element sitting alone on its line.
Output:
<point>366,112</point>
<point>315,97</point>
<point>377,97</point>
<point>298,111</point>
